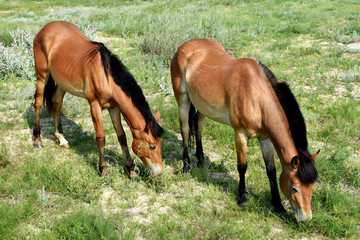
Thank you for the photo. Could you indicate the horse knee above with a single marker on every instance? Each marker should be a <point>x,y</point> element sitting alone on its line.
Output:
<point>100,142</point>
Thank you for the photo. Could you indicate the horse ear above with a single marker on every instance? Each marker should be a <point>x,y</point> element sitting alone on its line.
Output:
<point>295,162</point>
<point>314,156</point>
<point>157,115</point>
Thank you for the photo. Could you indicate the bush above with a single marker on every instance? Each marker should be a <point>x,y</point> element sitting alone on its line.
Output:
<point>17,59</point>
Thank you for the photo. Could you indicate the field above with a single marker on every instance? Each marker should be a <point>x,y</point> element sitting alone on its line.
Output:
<point>57,193</point>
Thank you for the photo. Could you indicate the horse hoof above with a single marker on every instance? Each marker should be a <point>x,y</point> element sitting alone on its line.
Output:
<point>186,168</point>
<point>104,172</point>
<point>133,175</point>
<point>66,145</point>
<point>241,205</point>
<point>279,208</point>
<point>243,199</point>
<point>38,144</point>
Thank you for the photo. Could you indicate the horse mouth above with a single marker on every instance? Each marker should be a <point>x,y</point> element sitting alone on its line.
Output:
<point>300,215</point>
<point>155,169</point>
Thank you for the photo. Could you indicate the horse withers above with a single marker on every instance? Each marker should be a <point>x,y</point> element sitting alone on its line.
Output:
<point>67,61</point>
<point>245,94</point>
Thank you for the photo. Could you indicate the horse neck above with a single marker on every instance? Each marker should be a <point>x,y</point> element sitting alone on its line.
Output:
<point>278,129</point>
<point>130,112</point>
<point>135,120</point>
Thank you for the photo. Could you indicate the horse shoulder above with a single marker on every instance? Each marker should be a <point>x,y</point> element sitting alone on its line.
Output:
<point>248,93</point>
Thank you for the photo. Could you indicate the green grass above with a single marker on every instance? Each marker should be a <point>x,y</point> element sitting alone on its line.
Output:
<point>54,193</point>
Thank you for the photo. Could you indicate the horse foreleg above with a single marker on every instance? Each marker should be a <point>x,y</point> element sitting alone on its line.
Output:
<point>198,129</point>
<point>267,149</point>
<point>57,100</point>
<point>241,144</point>
<point>116,120</point>
<point>100,135</point>
<point>39,100</point>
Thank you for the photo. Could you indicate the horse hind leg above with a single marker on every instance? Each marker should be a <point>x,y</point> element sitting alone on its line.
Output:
<point>116,121</point>
<point>267,149</point>
<point>42,78</point>
<point>42,75</point>
<point>57,101</point>
<point>184,112</point>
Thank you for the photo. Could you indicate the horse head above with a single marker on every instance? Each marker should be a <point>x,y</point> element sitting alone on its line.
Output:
<point>147,145</point>
<point>297,183</point>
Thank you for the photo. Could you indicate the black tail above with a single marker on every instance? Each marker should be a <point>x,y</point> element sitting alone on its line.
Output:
<point>192,124</point>
<point>49,91</point>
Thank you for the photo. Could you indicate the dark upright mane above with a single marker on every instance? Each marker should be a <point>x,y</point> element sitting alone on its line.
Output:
<point>306,171</point>
<point>126,81</point>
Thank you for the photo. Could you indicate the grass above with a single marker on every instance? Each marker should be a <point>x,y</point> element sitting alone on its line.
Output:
<point>55,193</point>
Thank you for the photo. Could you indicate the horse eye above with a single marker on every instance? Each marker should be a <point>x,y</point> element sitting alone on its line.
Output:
<point>294,189</point>
<point>152,147</point>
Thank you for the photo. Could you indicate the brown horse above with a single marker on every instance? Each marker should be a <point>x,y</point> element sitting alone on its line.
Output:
<point>245,94</point>
<point>67,61</point>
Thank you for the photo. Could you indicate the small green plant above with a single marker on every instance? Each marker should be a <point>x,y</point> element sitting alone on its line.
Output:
<point>84,225</point>
<point>4,156</point>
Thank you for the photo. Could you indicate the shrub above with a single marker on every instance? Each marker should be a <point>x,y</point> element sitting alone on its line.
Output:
<point>17,59</point>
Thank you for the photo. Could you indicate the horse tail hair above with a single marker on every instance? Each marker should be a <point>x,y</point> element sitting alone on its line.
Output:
<point>49,92</point>
<point>192,123</point>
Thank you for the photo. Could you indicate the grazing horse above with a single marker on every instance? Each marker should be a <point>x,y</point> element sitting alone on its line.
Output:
<point>67,61</point>
<point>245,94</point>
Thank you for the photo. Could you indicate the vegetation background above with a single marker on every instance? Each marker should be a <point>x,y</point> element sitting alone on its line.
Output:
<point>56,193</point>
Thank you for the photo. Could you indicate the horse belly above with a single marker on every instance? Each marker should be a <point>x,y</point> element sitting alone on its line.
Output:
<point>221,116</point>
<point>75,88</point>
<point>217,112</point>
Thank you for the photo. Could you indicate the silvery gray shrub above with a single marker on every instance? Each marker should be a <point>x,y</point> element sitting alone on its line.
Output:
<point>17,59</point>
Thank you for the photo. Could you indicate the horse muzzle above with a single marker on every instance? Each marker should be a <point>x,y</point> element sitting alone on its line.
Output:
<point>155,169</point>
<point>300,215</point>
